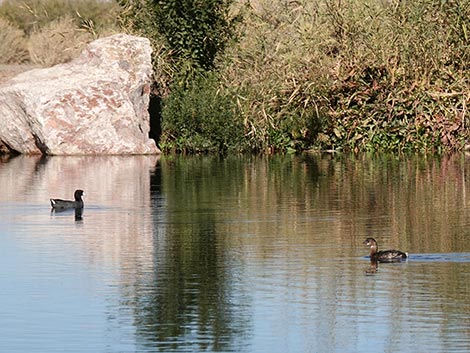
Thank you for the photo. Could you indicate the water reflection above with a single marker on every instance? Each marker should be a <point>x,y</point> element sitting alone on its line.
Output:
<point>77,212</point>
<point>241,253</point>
<point>310,214</point>
<point>373,268</point>
<point>56,268</point>
<point>190,302</point>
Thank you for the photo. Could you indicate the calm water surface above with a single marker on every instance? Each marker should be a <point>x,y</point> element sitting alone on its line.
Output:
<point>242,254</point>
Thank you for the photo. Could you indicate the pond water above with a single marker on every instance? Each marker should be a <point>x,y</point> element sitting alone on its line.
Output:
<point>235,254</point>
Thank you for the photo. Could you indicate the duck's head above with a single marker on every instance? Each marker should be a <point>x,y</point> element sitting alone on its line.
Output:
<point>370,242</point>
<point>78,194</point>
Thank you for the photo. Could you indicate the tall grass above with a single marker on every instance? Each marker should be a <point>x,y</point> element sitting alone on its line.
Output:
<point>273,69</point>
<point>32,15</point>
<point>54,31</point>
<point>358,75</point>
<point>14,45</point>
<point>59,41</point>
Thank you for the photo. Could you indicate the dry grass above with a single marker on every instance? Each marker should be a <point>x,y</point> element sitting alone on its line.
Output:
<point>279,68</point>
<point>32,15</point>
<point>58,42</point>
<point>48,32</point>
<point>12,44</point>
<point>353,74</point>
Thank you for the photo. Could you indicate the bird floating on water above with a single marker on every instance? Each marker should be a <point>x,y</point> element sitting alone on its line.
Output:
<point>59,204</point>
<point>384,255</point>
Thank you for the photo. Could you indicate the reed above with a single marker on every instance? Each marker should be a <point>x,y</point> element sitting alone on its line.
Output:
<point>343,74</point>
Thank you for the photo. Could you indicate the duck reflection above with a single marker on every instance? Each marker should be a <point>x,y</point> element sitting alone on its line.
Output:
<point>77,212</point>
<point>373,268</point>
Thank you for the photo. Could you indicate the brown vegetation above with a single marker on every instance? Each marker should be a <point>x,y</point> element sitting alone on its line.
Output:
<point>357,75</point>
<point>52,31</point>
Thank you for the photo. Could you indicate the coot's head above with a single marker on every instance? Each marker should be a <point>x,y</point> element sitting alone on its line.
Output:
<point>370,242</point>
<point>78,194</point>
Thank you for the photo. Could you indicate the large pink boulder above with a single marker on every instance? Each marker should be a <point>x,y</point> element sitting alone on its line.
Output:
<point>95,104</point>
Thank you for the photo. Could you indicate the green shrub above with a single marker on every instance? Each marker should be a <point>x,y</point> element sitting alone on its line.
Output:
<point>195,30</point>
<point>12,44</point>
<point>201,118</point>
<point>188,35</point>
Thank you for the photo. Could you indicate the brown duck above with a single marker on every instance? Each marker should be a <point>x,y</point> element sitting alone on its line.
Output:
<point>384,255</point>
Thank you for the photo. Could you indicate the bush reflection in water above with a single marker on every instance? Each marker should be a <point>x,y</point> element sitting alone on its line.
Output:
<point>235,254</point>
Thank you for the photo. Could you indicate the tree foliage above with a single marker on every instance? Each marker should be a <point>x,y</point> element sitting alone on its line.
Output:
<point>195,30</point>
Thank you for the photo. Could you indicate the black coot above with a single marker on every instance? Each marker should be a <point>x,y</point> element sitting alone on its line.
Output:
<point>59,204</point>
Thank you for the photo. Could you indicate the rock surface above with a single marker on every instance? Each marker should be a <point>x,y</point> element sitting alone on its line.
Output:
<point>95,104</point>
